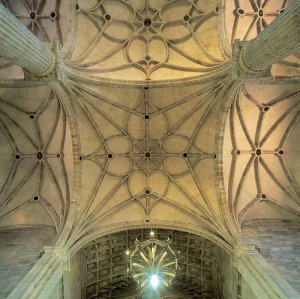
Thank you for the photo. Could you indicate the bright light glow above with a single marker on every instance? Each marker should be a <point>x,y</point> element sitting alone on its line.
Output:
<point>127,252</point>
<point>154,280</point>
<point>152,233</point>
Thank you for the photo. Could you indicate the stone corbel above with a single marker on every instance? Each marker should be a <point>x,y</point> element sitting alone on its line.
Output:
<point>56,69</point>
<point>240,250</point>
<point>60,254</point>
<point>239,69</point>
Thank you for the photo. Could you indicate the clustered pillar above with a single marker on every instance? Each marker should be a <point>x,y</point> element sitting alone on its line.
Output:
<point>19,45</point>
<point>279,40</point>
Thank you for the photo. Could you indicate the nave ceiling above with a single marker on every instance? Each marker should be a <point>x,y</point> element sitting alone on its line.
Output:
<point>146,129</point>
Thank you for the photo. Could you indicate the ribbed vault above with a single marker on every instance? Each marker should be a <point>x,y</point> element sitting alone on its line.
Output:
<point>148,155</point>
<point>145,121</point>
<point>260,163</point>
<point>140,40</point>
<point>36,158</point>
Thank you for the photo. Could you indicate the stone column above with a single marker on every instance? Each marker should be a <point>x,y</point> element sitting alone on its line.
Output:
<point>280,39</point>
<point>19,45</point>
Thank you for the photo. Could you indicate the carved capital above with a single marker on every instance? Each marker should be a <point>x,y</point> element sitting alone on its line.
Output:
<point>59,253</point>
<point>240,70</point>
<point>242,248</point>
<point>55,71</point>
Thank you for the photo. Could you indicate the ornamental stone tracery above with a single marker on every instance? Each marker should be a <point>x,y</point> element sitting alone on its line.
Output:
<point>260,154</point>
<point>154,38</point>
<point>35,158</point>
<point>143,157</point>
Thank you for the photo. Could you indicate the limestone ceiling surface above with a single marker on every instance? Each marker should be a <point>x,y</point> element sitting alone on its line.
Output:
<point>261,152</point>
<point>36,158</point>
<point>146,39</point>
<point>144,158</point>
<point>134,150</point>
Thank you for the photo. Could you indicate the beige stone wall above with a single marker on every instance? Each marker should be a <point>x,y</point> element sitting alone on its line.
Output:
<point>244,290</point>
<point>57,291</point>
<point>20,250</point>
<point>69,286</point>
<point>278,241</point>
<point>72,280</point>
<point>223,279</point>
<point>228,283</point>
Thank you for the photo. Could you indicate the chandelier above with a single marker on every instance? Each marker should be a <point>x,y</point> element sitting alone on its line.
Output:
<point>153,265</point>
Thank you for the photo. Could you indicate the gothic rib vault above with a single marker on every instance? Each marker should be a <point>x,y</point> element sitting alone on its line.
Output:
<point>148,114</point>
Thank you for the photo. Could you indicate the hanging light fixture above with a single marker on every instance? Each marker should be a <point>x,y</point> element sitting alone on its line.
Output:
<point>153,264</point>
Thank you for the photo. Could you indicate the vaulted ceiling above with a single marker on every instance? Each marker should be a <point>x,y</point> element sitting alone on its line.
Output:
<point>141,135</point>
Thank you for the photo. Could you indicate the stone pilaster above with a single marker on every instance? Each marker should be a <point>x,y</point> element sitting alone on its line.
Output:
<point>19,45</point>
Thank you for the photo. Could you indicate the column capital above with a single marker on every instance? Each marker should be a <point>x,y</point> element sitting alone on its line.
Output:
<point>60,253</point>
<point>240,249</point>
<point>55,72</point>
<point>240,70</point>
